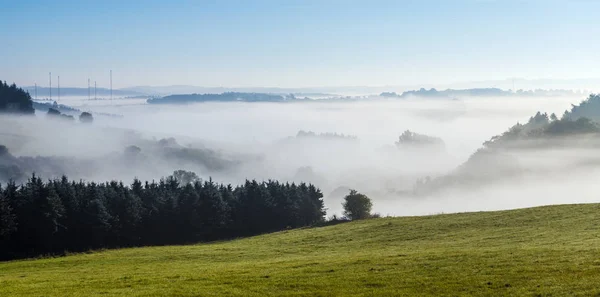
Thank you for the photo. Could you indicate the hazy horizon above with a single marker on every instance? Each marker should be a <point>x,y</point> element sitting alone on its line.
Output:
<point>505,84</point>
<point>587,86</point>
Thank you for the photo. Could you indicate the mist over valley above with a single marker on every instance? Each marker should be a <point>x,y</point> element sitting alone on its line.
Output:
<point>336,145</point>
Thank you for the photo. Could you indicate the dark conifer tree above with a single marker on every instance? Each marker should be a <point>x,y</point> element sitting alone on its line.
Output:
<point>15,100</point>
<point>7,218</point>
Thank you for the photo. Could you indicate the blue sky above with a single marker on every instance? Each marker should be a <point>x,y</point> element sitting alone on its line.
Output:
<point>297,43</point>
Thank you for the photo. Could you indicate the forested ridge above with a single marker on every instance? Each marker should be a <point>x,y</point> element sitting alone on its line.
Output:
<point>578,128</point>
<point>14,99</point>
<point>224,97</point>
<point>57,216</point>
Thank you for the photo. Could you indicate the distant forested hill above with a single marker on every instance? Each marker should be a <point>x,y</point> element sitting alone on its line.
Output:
<point>478,92</point>
<point>14,99</point>
<point>422,93</point>
<point>224,97</point>
<point>520,148</point>
<point>581,119</point>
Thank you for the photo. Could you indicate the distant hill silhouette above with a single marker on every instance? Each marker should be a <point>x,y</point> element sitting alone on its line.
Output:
<point>15,100</point>
<point>224,97</point>
<point>479,92</point>
<point>499,157</point>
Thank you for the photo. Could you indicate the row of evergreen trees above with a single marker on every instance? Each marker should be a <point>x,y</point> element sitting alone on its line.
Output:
<point>14,99</point>
<point>52,217</point>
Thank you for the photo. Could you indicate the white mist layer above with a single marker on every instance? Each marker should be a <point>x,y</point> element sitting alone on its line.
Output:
<point>255,133</point>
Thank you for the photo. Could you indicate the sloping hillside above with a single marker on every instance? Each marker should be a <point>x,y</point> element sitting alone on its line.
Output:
<point>530,148</point>
<point>528,252</point>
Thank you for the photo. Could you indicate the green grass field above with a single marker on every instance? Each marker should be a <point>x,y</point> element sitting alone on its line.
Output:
<point>544,251</point>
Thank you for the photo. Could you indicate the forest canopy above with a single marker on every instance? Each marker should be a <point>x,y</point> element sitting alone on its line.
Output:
<point>581,119</point>
<point>15,100</point>
<point>53,217</point>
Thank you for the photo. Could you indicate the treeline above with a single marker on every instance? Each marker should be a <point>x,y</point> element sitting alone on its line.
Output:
<point>327,135</point>
<point>579,120</point>
<point>413,139</point>
<point>14,99</point>
<point>224,97</point>
<point>479,92</point>
<point>56,216</point>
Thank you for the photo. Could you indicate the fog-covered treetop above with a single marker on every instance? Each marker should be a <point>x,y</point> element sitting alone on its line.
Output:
<point>409,138</point>
<point>326,135</point>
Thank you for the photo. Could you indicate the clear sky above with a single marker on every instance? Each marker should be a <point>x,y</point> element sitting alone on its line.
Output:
<point>285,43</point>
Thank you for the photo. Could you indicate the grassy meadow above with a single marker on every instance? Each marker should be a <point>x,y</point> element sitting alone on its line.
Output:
<point>543,251</point>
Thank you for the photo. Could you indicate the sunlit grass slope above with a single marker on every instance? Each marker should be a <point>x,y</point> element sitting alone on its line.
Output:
<point>545,251</point>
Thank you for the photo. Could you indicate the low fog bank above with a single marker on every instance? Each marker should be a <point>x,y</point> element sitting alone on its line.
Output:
<point>54,147</point>
<point>460,123</point>
<point>560,173</point>
<point>343,146</point>
<point>528,190</point>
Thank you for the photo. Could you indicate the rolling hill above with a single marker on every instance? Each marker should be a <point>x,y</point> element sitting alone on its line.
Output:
<point>543,251</point>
